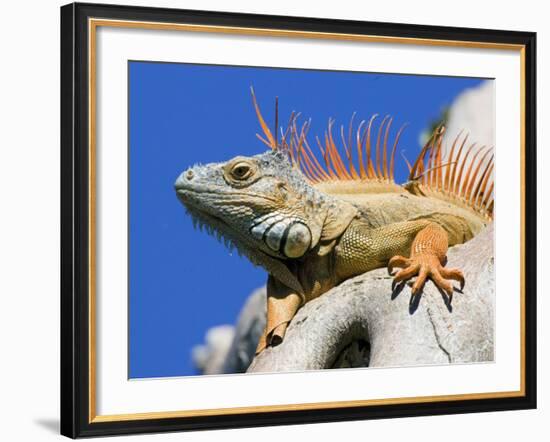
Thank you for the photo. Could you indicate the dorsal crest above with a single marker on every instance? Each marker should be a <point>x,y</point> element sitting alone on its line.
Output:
<point>463,177</point>
<point>365,162</point>
<point>375,162</point>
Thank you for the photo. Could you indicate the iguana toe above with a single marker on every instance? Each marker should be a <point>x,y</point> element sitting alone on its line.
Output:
<point>454,274</point>
<point>398,261</point>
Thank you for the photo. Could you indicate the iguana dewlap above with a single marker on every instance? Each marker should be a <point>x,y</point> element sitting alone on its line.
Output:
<point>312,226</point>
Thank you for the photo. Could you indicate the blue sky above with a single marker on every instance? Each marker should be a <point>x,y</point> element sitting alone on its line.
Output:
<point>182,281</point>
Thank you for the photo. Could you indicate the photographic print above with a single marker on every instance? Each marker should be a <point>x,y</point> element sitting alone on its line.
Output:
<point>299,219</point>
<point>281,220</point>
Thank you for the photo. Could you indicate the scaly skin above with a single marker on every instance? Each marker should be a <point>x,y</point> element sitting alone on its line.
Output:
<point>310,241</point>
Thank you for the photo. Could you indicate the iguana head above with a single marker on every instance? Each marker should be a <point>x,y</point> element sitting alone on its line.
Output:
<point>263,205</point>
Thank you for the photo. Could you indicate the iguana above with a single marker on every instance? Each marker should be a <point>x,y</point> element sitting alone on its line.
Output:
<point>314,223</point>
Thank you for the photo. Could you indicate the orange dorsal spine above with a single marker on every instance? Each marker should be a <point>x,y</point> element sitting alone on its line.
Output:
<point>474,191</point>
<point>465,179</point>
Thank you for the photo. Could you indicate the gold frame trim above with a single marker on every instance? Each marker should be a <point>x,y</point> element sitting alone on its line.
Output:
<point>93,24</point>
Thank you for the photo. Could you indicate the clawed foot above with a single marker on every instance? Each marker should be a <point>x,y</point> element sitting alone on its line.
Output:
<point>424,266</point>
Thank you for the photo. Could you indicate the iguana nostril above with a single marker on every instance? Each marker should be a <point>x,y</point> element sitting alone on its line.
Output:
<point>189,174</point>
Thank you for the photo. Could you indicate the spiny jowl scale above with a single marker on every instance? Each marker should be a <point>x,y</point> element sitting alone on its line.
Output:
<point>201,224</point>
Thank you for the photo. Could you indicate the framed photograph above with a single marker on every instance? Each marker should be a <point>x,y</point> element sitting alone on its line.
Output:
<point>278,220</point>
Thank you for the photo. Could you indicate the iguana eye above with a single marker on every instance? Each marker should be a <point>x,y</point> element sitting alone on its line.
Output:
<point>241,171</point>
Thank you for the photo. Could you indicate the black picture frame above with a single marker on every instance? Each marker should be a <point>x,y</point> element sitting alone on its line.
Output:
<point>75,194</point>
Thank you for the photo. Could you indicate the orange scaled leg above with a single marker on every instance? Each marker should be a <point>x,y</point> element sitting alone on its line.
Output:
<point>282,305</point>
<point>428,257</point>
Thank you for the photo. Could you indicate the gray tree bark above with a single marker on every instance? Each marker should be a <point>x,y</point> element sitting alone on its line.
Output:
<point>364,322</point>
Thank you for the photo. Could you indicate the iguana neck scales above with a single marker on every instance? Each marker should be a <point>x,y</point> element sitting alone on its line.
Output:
<point>314,223</point>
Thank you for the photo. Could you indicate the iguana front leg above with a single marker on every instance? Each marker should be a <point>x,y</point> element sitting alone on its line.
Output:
<point>362,249</point>
<point>427,259</point>
<point>282,305</point>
